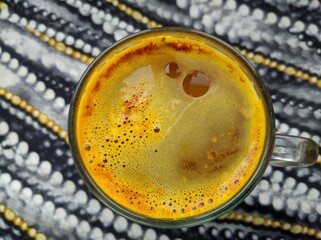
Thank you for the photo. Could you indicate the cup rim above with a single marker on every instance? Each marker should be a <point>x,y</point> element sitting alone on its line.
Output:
<point>190,221</point>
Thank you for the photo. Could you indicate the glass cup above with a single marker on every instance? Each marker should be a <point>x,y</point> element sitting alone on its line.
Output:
<point>280,150</point>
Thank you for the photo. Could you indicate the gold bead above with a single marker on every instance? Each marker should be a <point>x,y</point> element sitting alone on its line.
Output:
<point>51,42</point>
<point>83,58</point>
<point>286,226</point>
<point>276,224</point>
<point>248,218</point>
<point>2,207</point>
<point>29,108</point>
<point>305,76</point>
<point>249,55</point>
<point>258,221</point>
<point>63,134</point>
<point>50,123</point>
<point>137,15</point>
<point>230,215</point>
<point>122,7</point>
<point>35,113</point>
<point>23,104</point>
<point>16,100</point>
<point>9,214</point>
<point>55,128</point>
<point>304,230</point>
<point>61,47</point>
<point>76,54</point>
<point>319,83</point>
<point>2,92</point>
<point>318,235</point>
<point>313,80</point>
<point>311,231</point>
<point>69,51</point>
<point>258,59</point>
<point>273,64</point>
<point>40,236</point>
<point>267,61</point>
<point>298,74</point>
<point>17,221</point>
<point>290,71</point>
<point>267,222</point>
<point>8,95</point>
<point>24,226</point>
<point>3,6</point>
<point>281,67</point>
<point>32,232</point>
<point>43,118</point>
<point>296,229</point>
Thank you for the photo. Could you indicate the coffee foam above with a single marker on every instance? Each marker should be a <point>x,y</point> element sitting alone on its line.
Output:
<point>155,149</point>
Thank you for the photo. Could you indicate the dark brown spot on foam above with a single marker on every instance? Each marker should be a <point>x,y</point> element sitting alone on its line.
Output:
<point>96,87</point>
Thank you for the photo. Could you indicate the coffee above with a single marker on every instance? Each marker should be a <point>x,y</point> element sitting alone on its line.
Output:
<point>169,127</point>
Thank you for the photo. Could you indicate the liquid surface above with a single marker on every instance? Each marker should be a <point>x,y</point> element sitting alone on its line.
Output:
<point>170,128</point>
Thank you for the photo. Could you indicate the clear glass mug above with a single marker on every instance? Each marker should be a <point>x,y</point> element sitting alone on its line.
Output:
<point>280,150</point>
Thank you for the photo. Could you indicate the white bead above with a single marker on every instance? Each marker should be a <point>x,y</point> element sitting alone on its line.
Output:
<point>23,22</point>
<point>115,21</point>
<point>14,18</point>
<point>69,187</point>
<point>81,197</point>
<point>183,4</point>
<point>59,103</point>
<point>32,24</point>
<point>79,43</point>
<point>15,186</point>
<point>4,14</point>
<point>278,204</point>
<point>14,64</point>
<point>8,153</point>
<point>305,207</point>
<point>150,234</point>
<point>33,159</point>
<point>48,207</point>
<point>11,139</point>
<point>96,19</point>
<point>87,48</point>
<point>96,233</point>
<point>265,198</point>
<point>50,32</point>
<point>217,2</point>
<point>60,36</point>
<point>277,176</point>
<point>109,236</point>
<point>5,179</point>
<point>22,71</point>
<point>264,185</point>
<point>289,183</point>
<point>85,9</point>
<point>40,87</point>
<point>108,17</point>
<point>313,194</point>
<point>44,168</point>
<point>70,40</point>
<point>23,148</point>
<point>60,213</point>
<point>271,18</point>
<point>298,26</point>
<point>108,28</point>
<point>106,216</point>
<point>163,237</point>
<point>135,231</point>
<point>230,5</point>
<point>83,229</point>
<point>94,207</point>
<point>244,10</point>
<point>41,28</point>
<point>37,199</point>
<point>72,220</point>
<point>31,78</point>
<point>258,14</point>
<point>95,52</point>
<point>56,178</point>
<point>4,128</point>
<point>49,94</point>
<point>26,193</point>
<point>119,34</point>
<point>194,11</point>
<point>120,224</point>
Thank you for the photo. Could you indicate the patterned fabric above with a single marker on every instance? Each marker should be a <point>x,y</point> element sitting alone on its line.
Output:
<point>45,46</point>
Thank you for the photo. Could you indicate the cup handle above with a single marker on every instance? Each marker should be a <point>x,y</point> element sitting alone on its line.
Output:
<point>294,151</point>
